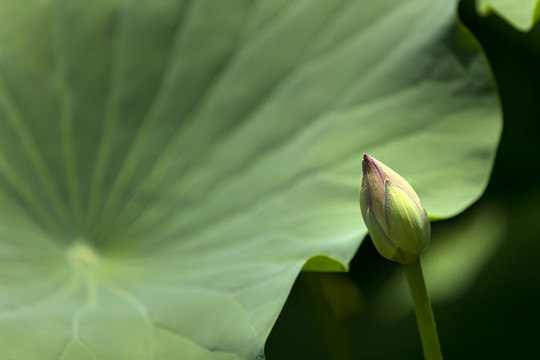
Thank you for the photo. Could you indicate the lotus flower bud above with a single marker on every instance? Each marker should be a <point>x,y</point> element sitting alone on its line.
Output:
<point>396,219</point>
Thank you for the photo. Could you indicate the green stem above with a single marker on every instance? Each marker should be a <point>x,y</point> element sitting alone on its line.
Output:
<point>422,308</point>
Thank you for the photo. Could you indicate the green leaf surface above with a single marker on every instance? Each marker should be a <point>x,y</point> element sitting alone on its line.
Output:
<point>168,167</point>
<point>522,14</point>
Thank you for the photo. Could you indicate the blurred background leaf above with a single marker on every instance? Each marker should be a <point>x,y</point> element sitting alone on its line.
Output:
<point>520,13</point>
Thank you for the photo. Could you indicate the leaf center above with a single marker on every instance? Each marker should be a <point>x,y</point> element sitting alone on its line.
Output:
<point>83,257</point>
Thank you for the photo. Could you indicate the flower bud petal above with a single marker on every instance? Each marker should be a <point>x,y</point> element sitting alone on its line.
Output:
<point>382,243</point>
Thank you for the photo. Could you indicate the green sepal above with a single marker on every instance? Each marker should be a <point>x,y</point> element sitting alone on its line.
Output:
<point>406,222</point>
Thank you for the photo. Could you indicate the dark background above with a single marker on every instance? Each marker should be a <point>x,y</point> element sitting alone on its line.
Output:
<point>338,316</point>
